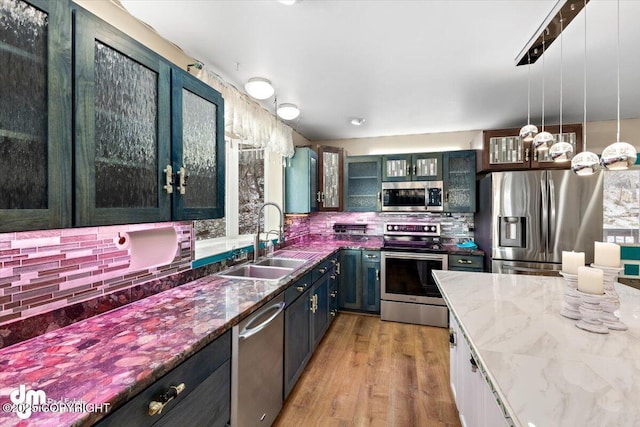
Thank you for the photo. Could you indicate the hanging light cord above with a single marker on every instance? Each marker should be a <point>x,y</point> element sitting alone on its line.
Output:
<point>618,133</point>
<point>529,88</point>
<point>584,126</point>
<point>543,49</point>
<point>560,138</point>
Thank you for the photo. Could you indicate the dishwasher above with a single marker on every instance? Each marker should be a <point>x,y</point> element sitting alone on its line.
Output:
<point>257,366</point>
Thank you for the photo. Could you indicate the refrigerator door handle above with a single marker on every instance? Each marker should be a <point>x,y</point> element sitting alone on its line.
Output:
<point>552,219</point>
<point>544,226</point>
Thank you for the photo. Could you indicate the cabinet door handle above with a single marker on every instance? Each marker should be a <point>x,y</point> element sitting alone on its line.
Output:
<point>334,294</point>
<point>333,313</point>
<point>182,186</point>
<point>409,170</point>
<point>378,275</point>
<point>415,170</point>
<point>333,277</point>
<point>526,155</point>
<point>465,261</point>
<point>452,338</point>
<point>168,179</point>
<point>338,268</point>
<point>156,406</point>
<point>334,261</point>
<point>474,365</point>
<point>318,196</point>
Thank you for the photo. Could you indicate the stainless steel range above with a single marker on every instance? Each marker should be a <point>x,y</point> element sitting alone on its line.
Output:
<point>409,293</point>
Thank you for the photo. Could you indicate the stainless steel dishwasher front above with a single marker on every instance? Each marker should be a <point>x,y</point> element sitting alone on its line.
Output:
<point>257,366</point>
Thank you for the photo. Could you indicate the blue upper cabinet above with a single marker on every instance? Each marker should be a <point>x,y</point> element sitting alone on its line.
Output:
<point>459,181</point>
<point>122,127</point>
<point>301,182</point>
<point>35,115</point>
<point>412,167</point>
<point>362,182</point>
<point>198,148</point>
<point>149,138</point>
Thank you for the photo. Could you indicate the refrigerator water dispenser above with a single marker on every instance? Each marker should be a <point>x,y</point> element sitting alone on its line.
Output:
<point>512,231</point>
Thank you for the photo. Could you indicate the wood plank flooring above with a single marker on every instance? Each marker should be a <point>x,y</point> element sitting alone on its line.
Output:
<point>367,372</point>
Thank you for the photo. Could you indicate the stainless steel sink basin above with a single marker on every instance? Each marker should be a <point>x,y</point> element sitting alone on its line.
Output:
<point>261,272</point>
<point>282,262</point>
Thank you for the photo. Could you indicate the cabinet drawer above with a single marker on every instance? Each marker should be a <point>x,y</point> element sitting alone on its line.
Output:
<point>193,372</point>
<point>298,288</point>
<point>320,270</point>
<point>466,262</point>
<point>371,256</point>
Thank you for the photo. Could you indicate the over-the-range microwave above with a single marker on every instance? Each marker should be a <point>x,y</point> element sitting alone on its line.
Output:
<point>412,196</point>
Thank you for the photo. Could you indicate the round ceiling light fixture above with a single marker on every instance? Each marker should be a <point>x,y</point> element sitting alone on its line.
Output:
<point>288,111</point>
<point>288,2</point>
<point>357,121</point>
<point>259,88</point>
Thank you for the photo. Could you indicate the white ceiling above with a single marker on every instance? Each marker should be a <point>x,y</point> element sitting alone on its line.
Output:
<point>408,67</point>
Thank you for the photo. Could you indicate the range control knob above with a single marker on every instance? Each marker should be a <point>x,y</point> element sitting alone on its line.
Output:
<point>395,227</point>
<point>389,227</point>
<point>427,228</point>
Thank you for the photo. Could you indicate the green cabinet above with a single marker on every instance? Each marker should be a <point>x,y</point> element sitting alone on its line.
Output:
<point>412,167</point>
<point>359,281</point>
<point>205,400</point>
<point>301,182</point>
<point>362,181</point>
<point>460,262</point>
<point>459,179</point>
<point>35,115</point>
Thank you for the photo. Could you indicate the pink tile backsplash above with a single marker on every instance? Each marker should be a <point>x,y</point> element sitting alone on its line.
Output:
<point>45,270</point>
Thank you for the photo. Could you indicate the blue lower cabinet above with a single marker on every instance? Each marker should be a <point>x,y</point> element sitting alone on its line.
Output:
<point>359,281</point>
<point>205,400</point>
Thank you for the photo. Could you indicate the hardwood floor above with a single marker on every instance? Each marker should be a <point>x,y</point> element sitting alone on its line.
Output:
<point>367,372</point>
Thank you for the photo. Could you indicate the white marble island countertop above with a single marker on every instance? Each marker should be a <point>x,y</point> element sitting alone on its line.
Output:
<point>545,370</point>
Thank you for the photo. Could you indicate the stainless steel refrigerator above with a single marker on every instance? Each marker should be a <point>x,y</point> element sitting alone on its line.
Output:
<point>527,218</point>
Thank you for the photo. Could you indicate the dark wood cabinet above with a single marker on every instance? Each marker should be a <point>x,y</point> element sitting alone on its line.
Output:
<point>504,150</point>
<point>330,178</point>
<point>205,400</point>
<point>35,115</point>
<point>459,181</point>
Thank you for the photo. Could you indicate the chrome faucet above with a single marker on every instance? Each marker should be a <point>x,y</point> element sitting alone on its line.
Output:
<point>256,242</point>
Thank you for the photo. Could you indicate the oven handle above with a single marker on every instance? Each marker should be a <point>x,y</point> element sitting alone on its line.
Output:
<point>407,255</point>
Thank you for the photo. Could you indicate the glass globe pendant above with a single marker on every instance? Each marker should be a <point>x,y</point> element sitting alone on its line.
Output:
<point>618,156</point>
<point>561,152</point>
<point>528,132</point>
<point>542,141</point>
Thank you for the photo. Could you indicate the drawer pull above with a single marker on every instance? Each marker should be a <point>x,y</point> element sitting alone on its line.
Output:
<point>465,261</point>
<point>334,294</point>
<point>370,256</point>
<point>156,407</point>
<point>301,288</point>
<point>322,270</point>
<point>333,313</point>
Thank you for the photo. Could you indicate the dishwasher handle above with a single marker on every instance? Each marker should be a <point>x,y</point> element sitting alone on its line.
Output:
<point>248,331</point>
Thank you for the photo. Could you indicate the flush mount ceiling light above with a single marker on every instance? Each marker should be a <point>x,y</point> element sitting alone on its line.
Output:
<point>288,2</point>
<point>357,121</point>
<point>619,155</point>
<point>561,151</point>
<point>259,88</point>
<point>585,163</point>
<point>528,131</point>
<point>288,111</point>
<point>543,140</point>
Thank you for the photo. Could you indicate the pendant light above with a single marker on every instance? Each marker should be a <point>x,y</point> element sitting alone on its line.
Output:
<point>561,151</point>
<point>543,140</point>
<point>528,131</point>
<point>619,155</point>
<point>585,163</point>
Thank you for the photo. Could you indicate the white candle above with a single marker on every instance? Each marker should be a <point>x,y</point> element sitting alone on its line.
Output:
<point>607,255</point>
<point>591,280</point>
<point>571,261</point>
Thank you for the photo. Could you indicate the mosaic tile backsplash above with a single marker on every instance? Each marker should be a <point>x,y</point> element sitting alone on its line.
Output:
<point>45,270</point>
<point>454,229</point>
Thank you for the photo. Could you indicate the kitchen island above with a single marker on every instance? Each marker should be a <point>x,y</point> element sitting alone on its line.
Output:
<point>541,369</point>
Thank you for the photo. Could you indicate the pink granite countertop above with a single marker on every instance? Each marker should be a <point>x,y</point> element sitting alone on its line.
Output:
<point>114,356</point>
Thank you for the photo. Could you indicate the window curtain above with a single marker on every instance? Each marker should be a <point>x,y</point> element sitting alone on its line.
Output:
<point>247,121</point>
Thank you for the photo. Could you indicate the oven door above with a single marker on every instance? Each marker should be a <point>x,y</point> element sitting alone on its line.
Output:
<point>406,277</point>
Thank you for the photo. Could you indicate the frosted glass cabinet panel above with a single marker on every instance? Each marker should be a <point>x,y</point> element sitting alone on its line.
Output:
<point>362,182</point>
<point>331,170</point>
<point>412,167</point>
<point>35,114</point>
<point>122,127</point>
<point>198,148</point>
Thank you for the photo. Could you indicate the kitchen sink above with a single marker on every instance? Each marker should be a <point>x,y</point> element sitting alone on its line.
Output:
<point>282,262</point>
<point>261,272</point>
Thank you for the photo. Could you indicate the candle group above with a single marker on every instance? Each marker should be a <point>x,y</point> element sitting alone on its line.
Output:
<point>606,255</point>
<point>591,280</point>
<point>571,261</point>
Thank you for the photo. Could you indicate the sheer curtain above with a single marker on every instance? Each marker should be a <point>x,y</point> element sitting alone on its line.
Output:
<point>245,120</point>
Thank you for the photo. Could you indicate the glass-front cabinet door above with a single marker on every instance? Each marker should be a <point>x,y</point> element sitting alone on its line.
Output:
<point>35,114</point>
<point>362,183</point>
<point>122,129</point>
<point>198,148</point>
<point>427,166</point>
<point>412,167</point>
<point>331,169</point>
<point>459,173</point>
